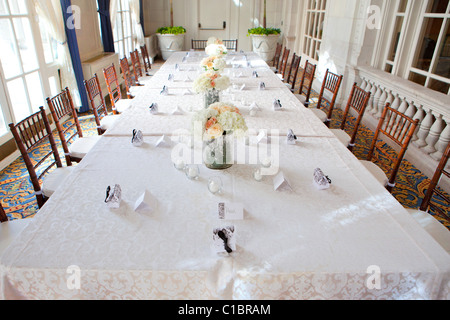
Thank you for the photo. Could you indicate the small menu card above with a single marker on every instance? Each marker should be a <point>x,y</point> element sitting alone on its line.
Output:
<point>321,181</point>
<point>224,239</point>
<point>170,78</point>
<point>153,108</point>
<point>165,91</point>
<point>280,182</point>
<point>177,111</point>
<point>255,74</point>
<point>231,211</point>
<point>146,202</point>
<point>163,142</point>
<point>277,105</point>
<point>262,86</point>
<point>291,137</point>
<point>138,138</point>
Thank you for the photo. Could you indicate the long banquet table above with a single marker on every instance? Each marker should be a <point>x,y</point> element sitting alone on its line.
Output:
<point>297,243</point>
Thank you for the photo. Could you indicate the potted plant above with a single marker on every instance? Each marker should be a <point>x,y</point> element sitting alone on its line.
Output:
<point>171,39</point>
<point>265,39</point>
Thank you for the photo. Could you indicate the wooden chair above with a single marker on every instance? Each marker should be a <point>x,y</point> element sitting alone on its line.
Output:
<point>399,129</point>
<point>102,119</point>
<point>30,133</point>
<point>276,58</point>
<point>198,45</point>
<point>137,67</point>
<point>438,231</point>
<point>131,85</point>
<point>357,102</point>
<point>283,64</point>
<point>291,78</point>
<point>68,126</point>
<point>115,93</point>
<point>330,85</point>
<point>231,45</point>
<point>306,83</point>
<point>146,60</point>
<point>9,230</point>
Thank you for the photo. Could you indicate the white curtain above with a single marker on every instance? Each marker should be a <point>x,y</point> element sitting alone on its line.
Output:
<point>135,16</point>
<point>50,13</point>
<point>113,7</point>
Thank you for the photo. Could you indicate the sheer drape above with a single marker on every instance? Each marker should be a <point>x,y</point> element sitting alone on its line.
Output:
<point>135,8</point>
<point>113,7</point>
<point>50,13</point>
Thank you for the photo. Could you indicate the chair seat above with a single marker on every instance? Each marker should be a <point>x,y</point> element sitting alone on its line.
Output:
<point>376,172</point>
<point>108,121</point>
<point>10,230</point>
<point>81,146</point>
<point>54,179</point>
<point>300,98</point>
<point>320,114</point>
<point>343,136</point>
<point>144,79</point>
<point>122,105</point>
<point>434,228</point>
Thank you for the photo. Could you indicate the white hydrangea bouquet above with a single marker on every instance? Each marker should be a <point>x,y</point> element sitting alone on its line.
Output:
<point>216,50</point>
<point>210,80</point>
<point>213,63</point>
<point>219,119</point>
<point>214,40</point>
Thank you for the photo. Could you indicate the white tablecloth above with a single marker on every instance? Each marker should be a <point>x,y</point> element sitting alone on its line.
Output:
<point>292,244</point>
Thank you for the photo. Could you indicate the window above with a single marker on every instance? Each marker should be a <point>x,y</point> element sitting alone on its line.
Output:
<point>22,61</point>
<point>123,31</point>
<point>419,44</point>
<point>315,16</point>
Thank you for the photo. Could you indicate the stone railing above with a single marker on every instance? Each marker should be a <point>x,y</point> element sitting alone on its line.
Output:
<point>431,108</point>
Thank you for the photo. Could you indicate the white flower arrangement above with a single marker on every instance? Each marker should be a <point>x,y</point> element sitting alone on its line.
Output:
<point>214,40</point>
<point>211,80</point>
<point>219,118</point>
<point>213,63</point>
<point>216,50</point>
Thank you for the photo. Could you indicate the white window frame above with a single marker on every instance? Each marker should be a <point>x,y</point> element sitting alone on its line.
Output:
<point>315,11</point>
<point>45,71</point>
<point>120,44</point>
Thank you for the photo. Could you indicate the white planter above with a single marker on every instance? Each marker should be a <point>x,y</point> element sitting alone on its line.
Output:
<point>265,46</point>
<point>170,43</point>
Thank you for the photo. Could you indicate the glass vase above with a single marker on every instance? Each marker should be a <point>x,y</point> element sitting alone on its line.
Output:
<point>210,97</point>
<point>218,153</point>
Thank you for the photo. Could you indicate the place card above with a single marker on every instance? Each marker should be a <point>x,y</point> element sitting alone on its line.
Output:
<point>146,202</point>
<point>224,239</point>
<point>177,111</point>
<point>231,211</point>
<point>187,79</point>
<point>280,182</point>
<point>262,137</point>
<point>187,92</point>
<point>242,87</point>
<point>153,108</point>
<point>170,78</point>
<point>255,74</point>
<point>177,67</point>
<point>113,196</point>
<point>277,105</point>
<point>165,91</point>
<point>321,181</point>
<point>262,86</point>
<point>138,138</point>
<point>163,142</point>
<point>291,138</point>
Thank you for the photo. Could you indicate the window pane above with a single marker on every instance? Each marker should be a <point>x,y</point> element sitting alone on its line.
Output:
<point>442,67</point>
<point>388,68</point>
<point>35,90</point>
<point>3,8</point>
<point>3,126</point>
<point>18,97</point>
<point>427,44</point>
<point>8,53</point>
<point>417,78</point>
<point>439,86</point>
<point>53,86</point>
<point>395,39</point>
<point>18,7</point>
<point>26,44</point>
<point>402,6</point>
<point>437,6</point>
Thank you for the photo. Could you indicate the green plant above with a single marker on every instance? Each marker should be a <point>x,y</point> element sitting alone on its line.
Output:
<point>263,31</point>
<point>171,30</point>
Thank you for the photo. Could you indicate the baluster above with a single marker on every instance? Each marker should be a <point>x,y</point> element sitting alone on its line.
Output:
<point>420,115</point>
<point>364,84</point>
<point>376,100</point>
<point>403,106</point>
<point>411,111</point>
<point>433,135</point>
<point>381,103</point>
<point>424,129</point>
<point>396,102</point>
<point>373,90</point>
<point>390,98</point>
<point>441,144</point>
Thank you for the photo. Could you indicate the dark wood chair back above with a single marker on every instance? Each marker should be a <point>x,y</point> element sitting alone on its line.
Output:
<point>292,74</point>
<point>277,56</point>
<point>284,62</point>
<point>136,64</point>
<point>66,121</point>
<point>28,134</point>
<point>146,59</point>
<point>433,189</point>
<point>399,128</point>
<point>357,102</point>
<point>307,81</point>
<point>112,83</point>
<point>127,76</point>
<point>198,45</point>
<point>3,216</point>
<point>231,45</point>
<point>96,100</point>
<point>331,84</point>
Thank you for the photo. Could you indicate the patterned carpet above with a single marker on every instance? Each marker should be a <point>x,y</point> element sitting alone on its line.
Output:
<point>17,195</point>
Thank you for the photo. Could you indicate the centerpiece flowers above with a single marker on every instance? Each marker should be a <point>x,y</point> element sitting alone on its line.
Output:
<point>213,63</point>
<point>210,83</point>
<point>216,50</point>
<point>216,126</point>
